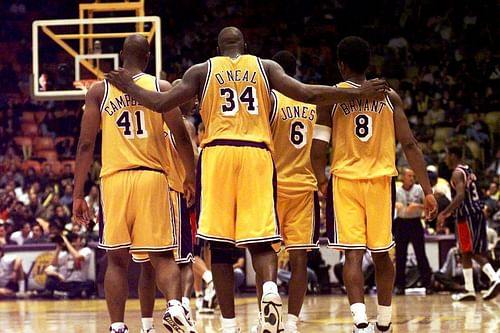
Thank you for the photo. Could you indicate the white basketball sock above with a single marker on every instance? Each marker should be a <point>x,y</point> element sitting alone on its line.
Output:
<point>228,323</point>
<point>269,287</point>
<point>469,279</point>
<point>207,277</point>
<point>117,326</point>
<point>358,311</point>
<point>490,272</point>
<point>147,323</point>
<point>384,314</point>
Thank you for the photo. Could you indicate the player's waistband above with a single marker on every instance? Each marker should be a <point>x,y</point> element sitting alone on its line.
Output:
<point>236,143</point>
<point>144,168</point>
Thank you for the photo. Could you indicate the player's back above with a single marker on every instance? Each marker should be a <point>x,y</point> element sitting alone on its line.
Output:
<point>235,103</point>
<point>292,125</point>
<point>132,135</point>
<point>471,204</point>
<point>363,137</point>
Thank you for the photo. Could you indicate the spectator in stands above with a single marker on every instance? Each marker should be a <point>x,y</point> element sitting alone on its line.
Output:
<point>21,236</point>
<point>436,115</point>
<point>93,202</point>
<point>38,236</point>
<point>494,167</point>
<point>11,275</point>
<point>67,198</point>
<point>69,271</point>
<point>479,132</point>
<point>48,126</point>
<point>4,237</point>
<point>67,174</point>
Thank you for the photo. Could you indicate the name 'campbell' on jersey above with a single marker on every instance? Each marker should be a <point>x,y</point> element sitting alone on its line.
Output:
<point>363,138</point>
<point>235,103</point>
<point>132,135</point>
<point>292,126</point>
<point>471,205</point>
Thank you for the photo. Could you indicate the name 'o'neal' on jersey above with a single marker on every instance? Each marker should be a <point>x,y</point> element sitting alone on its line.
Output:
<point>132,135</point>
<point>235,103</point>
<point>363,138</point>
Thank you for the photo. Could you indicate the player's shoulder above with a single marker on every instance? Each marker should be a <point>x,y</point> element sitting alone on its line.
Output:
<point>97,90</point>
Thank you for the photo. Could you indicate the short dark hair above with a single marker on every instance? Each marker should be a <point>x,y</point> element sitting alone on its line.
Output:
<point>354,51</point>
<point>287,60</point>
<point>455,150</point>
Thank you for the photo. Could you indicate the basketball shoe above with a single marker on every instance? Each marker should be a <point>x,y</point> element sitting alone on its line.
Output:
<point>175,319</point>
<point>120,330</point>
<point>210,296</point>
<point>271,317</point>
<point>363,328</point>
<point>464,297</point>
<point>383,329</point>
<point>257,328</point>
<point>151,330</point>
<point>202,306</point>
<point>493,291</point>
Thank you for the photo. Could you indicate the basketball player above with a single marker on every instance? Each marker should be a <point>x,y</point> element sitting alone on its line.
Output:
<point>360,192</point>
<point>235,169</point>
<point>134,186</point>
<point>471,226</point>
<point>292,125</point>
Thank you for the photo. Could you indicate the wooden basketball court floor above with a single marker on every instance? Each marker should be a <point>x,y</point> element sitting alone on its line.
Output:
<point>423,314</point>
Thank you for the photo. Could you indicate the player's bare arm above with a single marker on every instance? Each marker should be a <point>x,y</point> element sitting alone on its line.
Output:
<point>458,180</point>
<point>319,148</point>
<point>90,125</point>
<point>175,123</point>
<point>413,154</point>
<point>161,101</point>
<point>319,94</point>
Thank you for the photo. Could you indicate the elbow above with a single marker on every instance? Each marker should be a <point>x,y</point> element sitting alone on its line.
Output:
<point>85,146</point>
<point>411,146</point>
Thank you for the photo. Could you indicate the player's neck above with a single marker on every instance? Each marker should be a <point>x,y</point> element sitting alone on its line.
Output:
<point>356,78</point>
<point>233,54</point>
<point>132,68</point>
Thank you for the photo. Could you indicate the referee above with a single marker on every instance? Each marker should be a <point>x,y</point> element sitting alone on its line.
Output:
<point>408,229</point>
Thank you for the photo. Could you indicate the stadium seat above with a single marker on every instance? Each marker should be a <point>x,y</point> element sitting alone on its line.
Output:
<point>443,133</point>
<point>49,155</point>
<point>40,116</point>
<point>56,166</point>
<point>476,150</point>
<point>23,141</point>
<point>62,138</point>
<point>43,143</point>
<point>28,117</point>
<point>31,164</point>
<point>29,129</point>
<point>438,145</point>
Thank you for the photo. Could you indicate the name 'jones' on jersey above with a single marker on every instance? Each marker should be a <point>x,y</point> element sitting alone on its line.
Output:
<point>363,137</point>
<point>236,100</point>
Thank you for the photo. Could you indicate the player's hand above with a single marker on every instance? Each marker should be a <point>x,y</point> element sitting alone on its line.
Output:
<point>81,211</point>
<point>375,88</point>
<point>120,78</point>
<point>430,207</point>
<point>322,189</point>
<point>189,191</point>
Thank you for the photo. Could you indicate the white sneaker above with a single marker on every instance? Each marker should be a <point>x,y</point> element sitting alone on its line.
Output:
<point>121,330</point>
<point>493,291</point>
<point>367,329</point>
<point>464,297</point>
<point>235,330</point>
<point>210,296</point>
<point>272,319</point>
<point>383,329</point>
<point>151,330</point>
<point>202,306</point>
<point>175,320</point>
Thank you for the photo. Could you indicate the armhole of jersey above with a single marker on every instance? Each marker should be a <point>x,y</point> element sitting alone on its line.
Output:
<point>157,85</point>
<point>263,72</point>
<point>105,97</point>
<point>172,139</point>
<point>207,81</point>
<point>332,113</point>
<point>274,110</point>
<point>463,172</point>
<point>389,103</point>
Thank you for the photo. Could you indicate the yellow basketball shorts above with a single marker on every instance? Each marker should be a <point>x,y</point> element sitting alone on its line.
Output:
<point>183,253</point>
<point>236,193</point>
<point>298,214</point>
<point>360,213</point>
<point>136,212</point>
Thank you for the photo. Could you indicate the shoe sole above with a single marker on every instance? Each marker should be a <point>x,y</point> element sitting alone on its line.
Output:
<point>469,298</point>
<point>494,293</point>
<point>271,313</point>
<point>176,325</point>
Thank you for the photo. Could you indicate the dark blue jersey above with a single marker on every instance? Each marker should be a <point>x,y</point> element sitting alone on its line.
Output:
<point>472,205</point>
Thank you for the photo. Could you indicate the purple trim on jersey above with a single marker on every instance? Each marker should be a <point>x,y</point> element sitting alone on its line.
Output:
<point>236,143</point>
<point>198,190</point>
<point>317,218</point>
<point>275,198</point>
<point>185,254</point>
<point>330,214</point>
<point>101,216</point>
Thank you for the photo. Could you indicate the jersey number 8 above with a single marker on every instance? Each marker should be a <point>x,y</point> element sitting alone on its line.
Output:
<point>363,127</point>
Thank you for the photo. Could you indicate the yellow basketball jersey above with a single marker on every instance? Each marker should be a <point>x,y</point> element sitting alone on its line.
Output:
<point>132,135</point>
<point>175,168</point>
<point>235,103</point>
<point>363,138</point>
<point>292,126</point>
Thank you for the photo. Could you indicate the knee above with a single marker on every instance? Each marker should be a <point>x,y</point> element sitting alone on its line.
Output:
<point>382,257</point>
<point>260,248</point>
<point>354,256</point>
<point>118,259</point>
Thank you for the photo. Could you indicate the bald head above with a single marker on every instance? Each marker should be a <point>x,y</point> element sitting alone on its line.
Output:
<point>231,39</point>
<point>135,51</point>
